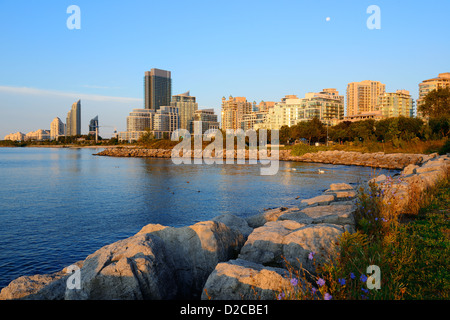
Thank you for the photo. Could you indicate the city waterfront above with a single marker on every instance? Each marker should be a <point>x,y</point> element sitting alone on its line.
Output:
<point>61,204</point>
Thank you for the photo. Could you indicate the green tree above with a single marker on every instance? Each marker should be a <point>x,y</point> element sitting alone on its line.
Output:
<point>285,134</point>
<point>146,138</point>
<point>363,130</point>
<point>409,127</point>
<point>341,132</point>
<point>314,130</point>
<point>440,127</point>
<point>393,132</point>
<point>436,103</point>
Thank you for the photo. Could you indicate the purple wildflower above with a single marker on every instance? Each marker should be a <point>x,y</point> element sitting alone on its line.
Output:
<point>281,296</point>
<point>352,275</point>
<point>311,255</point>
<point>320,282</point>
<point>327,296</point>
<point>363,278</point>
<point>294,282</point>
<point>313,290</point>
<point>341,281</point>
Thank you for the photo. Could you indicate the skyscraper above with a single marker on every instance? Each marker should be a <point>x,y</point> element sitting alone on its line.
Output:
<point>57,128</point>
<point>157,89</point>
<point>362,97</point>
<point>186,108</point>
<point>73,123</point>
<point>93,125</point>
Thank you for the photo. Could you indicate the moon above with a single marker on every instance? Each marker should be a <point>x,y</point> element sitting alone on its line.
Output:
<point>328,19</point>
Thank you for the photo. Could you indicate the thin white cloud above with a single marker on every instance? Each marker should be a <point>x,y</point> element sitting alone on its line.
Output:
<point>98,87</point>
<point>82,96</point>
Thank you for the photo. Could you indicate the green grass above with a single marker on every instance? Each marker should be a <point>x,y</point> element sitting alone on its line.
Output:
<point>412,146</point>
<point>412,251</point>
<point>429,234</point>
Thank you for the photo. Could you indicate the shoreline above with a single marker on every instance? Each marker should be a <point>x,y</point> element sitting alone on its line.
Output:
<point>66,146</point>
<point>215,258</point>
<point>394,161</point>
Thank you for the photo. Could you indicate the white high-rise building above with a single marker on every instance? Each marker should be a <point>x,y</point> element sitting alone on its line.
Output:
<point>73,123</point>
<point>57,129</point>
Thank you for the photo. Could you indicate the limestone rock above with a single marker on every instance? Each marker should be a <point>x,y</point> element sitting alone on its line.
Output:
<point>409,169</point>
<point>320,239</point>
<point>244,280</point>
<point>341,214</point>
<point>235,223</point>
<point>132,269</point>
<point>194,252</point>
<point>378,179</point>
<point>269,215</point>
<point>340,187</point>
<point>157,263</point>
<point>265,244</point>
<point>288,240</point>
<point>38,287</point>
<point>431,166</point>
<point>319,200</point>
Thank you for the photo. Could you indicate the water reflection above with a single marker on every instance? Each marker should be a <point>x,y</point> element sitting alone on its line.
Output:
<point>65,203</point>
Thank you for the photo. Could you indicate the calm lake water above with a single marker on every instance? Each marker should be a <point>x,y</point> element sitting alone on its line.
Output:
<point>60,205</point>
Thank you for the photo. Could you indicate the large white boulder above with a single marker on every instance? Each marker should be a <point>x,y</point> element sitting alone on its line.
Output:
<point>283,241</point>
<point>244,280</point>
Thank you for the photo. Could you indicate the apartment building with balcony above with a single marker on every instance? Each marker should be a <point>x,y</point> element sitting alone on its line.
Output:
<point>362,97</point>
<point>440,82</point>
<point>396,104</point>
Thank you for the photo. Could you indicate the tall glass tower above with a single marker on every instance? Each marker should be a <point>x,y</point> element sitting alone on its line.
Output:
<point>157,89</point>
<point>73,123</point>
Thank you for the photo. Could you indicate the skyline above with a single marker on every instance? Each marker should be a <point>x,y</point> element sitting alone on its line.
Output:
<point>262,50</point>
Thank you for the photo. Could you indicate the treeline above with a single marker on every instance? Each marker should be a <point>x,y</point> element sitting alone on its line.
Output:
<point>391,129</point>
<point>80,140</point>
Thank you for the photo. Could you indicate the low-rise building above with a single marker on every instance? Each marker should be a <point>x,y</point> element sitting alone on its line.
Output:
<point>396,104</point>
<point>18,136</point>
<point>38,135</point>
<point>374,115</point>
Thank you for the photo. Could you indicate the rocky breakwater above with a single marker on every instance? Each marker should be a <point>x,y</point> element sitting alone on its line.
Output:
<point>403,188</point>
<point>395,161</point>
<point>167,153</point>
<point>136,152</point>
<point>227,258</point>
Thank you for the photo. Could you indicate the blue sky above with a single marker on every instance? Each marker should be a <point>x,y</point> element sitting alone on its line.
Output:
<point>262,50</point>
